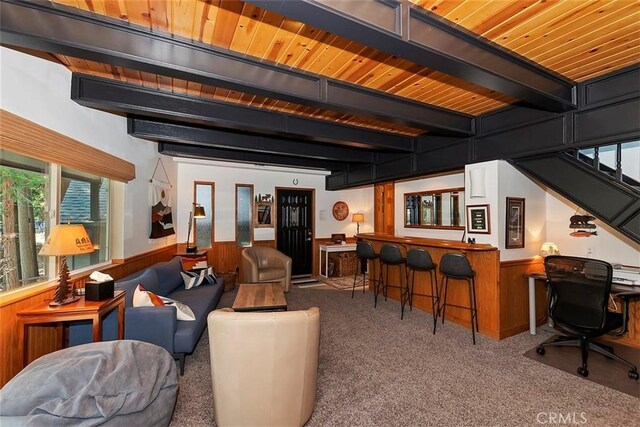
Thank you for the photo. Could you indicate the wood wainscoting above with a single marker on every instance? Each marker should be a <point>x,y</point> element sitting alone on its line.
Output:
<point>225,256</point>
<point>43,339</point>
<point>514,296</point>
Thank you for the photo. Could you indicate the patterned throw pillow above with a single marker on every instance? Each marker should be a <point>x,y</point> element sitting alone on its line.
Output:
<point>144,298</point>
<point>193,279</point>
<point>183,311</point>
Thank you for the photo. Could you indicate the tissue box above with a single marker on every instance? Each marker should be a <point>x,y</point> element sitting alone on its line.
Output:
<point>98,291</point>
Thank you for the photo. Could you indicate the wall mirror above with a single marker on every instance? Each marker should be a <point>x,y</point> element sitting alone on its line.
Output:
<point>263,211</point>
<point>435,209</point>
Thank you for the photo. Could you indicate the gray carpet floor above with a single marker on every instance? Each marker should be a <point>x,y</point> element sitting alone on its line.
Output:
<point>376,370</point>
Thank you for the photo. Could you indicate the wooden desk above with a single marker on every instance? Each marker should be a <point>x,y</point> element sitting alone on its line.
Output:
<point>351,247</point>
<point>260,297</point>
<point>79,310</point>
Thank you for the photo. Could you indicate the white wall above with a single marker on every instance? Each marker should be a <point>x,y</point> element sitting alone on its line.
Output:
<point>265,180</point>
<point>455,180</point>
<point>608,245</point>
<point>40,90</point>
<point>512,183</point>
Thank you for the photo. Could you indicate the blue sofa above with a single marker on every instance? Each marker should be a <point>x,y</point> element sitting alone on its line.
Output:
<point>158,325</point>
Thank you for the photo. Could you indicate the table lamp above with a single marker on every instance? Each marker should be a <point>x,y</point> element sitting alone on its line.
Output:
<point>196,212</point>
<point>549,248</point>
<point>357,218</point>
<point>64,240</point>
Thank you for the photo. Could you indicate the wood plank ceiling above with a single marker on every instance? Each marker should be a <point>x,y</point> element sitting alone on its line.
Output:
<point>577,39</point>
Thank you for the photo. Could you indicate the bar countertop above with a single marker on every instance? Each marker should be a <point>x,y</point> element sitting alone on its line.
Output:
<point>421,241</point>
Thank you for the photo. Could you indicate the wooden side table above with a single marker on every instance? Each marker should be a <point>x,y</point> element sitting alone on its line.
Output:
<point>79,310</point>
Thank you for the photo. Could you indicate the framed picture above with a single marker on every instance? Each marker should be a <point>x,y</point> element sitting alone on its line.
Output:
<point>478,219</point>
<point>514,233</point>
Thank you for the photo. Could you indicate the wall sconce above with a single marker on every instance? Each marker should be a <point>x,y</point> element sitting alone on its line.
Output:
<point>549,248</point>
<point>357,218</point>
<point>476,183</point>
<point>196,212</point>
<point>64,240</point>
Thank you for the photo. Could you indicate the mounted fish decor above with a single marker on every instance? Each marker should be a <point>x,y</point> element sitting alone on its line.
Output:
<point>582,222</point>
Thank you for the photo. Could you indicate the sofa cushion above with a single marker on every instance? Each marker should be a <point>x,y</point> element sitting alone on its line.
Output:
<point>202,300</point>
<point>148,279</point>
<point>169,277</point>
<point>271,273</point>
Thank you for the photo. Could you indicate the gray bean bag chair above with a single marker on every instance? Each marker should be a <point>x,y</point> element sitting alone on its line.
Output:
<point>115,383</point>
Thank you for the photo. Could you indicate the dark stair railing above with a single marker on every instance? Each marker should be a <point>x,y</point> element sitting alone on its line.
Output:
<point>602,167</point>
<point>605,192</point>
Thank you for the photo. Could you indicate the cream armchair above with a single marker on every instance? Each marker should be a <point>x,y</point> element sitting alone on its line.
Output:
<point>265,264</point>
<point>264,366</point>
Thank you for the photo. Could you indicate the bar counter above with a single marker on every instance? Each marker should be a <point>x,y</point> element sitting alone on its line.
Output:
<point>485,261</point>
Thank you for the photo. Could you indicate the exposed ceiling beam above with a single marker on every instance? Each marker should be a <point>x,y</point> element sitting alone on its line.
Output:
<point>198,152</point>
<point>196,135</point>
<point>400,28</point>
<point>122,97</point>
<point>69,31</point>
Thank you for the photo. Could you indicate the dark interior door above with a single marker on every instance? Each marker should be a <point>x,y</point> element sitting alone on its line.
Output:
<point>295,228</point>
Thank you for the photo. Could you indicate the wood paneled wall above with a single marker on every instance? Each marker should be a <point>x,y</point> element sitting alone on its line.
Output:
<point>514,296</point>
<point>43,339</point>
<point>384,205</point>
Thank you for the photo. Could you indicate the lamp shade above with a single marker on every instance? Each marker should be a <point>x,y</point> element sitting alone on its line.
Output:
<point>67,239</point>
<point>357,217</point>
<point>549,248</point>
<point>198,212</point>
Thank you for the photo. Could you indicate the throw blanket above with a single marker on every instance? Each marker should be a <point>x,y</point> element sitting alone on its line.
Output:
<point>89,384</point>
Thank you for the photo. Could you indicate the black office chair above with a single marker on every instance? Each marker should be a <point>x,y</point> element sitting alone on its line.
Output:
<point>364,252</point>
<point>457,266</point>
<point>578,299</point>
<point>420,260</point>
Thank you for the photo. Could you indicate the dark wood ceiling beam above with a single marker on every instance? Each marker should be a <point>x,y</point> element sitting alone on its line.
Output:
<point>209,153</point>
<point>69,31</point>
<point>195,135</point>
<point>400,28</point>
<point>112,95</point>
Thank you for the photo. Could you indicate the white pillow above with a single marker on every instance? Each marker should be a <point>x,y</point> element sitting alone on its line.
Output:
<point>182,310</point>
<point>144,298</point>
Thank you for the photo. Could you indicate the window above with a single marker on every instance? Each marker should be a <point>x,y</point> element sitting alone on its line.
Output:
<point>34,196</point>
<point>244,215</point>
<point>204,196</point>
<point>85,200</point>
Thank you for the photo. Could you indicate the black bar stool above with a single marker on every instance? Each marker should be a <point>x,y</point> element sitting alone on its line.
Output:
<point>420,260</point>
<point>391,255</point>
<point>364,252</point>
<point>456,266</point>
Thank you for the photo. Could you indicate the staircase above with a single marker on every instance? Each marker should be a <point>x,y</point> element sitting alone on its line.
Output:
<point>599,187</point>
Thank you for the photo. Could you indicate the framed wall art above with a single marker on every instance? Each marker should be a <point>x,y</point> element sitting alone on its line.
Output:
<point>514,233</point>
<point>478,219</point>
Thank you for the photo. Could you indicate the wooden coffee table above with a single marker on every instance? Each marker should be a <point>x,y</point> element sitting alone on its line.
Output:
<point>260,297</point>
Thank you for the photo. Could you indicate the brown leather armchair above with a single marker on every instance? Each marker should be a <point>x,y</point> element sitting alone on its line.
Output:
<point>264,366</point>
<point>265,264</point>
